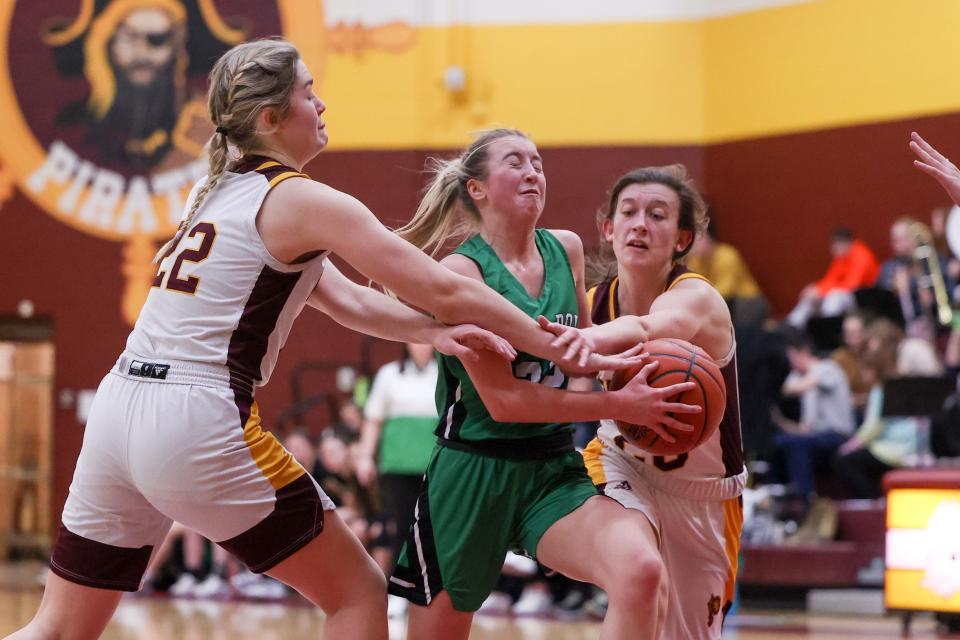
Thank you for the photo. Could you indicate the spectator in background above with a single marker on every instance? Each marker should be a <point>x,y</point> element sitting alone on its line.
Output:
<point>724,267</point>
<point>349,421</point>
<point>826,414</point>
<point>882,444</point>
<point>853,266</point>
<point>195,580</point>
<point>850,358</point>
<point>909,278</point>
<point>396,443</point>
<point>951,357</point>
<point>938,227</point>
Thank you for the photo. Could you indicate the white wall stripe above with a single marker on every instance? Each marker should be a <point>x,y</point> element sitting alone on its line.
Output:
<point>439,13</point>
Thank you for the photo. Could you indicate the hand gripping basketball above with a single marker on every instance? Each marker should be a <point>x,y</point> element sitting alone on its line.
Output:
<point>677,431</point>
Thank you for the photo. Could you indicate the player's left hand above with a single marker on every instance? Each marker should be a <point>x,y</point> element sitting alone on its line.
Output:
<point>600,363</point>
<point>465,340</point>
<point>578,343</point>
<point>935,164</point>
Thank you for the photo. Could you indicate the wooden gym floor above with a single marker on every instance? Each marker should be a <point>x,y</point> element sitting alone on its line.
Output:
<point>165,618</point>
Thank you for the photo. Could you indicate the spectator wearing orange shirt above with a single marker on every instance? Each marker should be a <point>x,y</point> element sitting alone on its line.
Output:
<point>854,266</point>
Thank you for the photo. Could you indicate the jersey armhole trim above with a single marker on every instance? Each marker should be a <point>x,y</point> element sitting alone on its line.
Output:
<point>686,276</point>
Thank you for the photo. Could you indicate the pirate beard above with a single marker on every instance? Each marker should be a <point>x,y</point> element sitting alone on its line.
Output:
<point>135,133</point>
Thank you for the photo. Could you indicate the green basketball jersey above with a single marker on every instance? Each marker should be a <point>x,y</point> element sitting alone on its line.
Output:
<point>462,414</point>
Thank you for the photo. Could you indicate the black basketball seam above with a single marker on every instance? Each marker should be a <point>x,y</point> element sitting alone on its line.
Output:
<point>707,371</point>
<point>720,385</point>
<point>656,436</point>
<point>703,395</point>
<point>700,367</point>
<point>679,343</point>
<point>692,362</point>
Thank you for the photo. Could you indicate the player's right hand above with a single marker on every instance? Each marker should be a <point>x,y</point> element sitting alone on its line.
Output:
<point>465,340</point>
<point>653,407</point>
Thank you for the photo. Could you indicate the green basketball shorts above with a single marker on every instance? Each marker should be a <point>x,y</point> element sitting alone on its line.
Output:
<point>474,508</point>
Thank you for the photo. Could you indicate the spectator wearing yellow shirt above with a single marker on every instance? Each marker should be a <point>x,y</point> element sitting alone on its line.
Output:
<point>722,264</point>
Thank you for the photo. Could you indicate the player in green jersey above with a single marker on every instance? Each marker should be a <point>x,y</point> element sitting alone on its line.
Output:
<point>505,474</point>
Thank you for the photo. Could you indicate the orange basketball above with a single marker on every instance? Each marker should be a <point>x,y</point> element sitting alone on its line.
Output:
<point>679,361</point>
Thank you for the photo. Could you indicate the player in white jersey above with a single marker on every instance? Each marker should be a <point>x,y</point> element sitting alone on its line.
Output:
<point>174,432</point>
<point>692,500</point>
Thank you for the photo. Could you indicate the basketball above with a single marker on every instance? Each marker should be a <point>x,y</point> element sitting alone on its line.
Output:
<point>679,361</point>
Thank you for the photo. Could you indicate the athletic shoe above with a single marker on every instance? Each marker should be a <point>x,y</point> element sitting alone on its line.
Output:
<point>264,589</point>
<point>534,601</point>
<point>596,606</point>
<point>571,607</point>
<point>496,604</point>
<point>245,577</point>
<point>184,586</point>
<point>211,587</point>
<point>519,566</point>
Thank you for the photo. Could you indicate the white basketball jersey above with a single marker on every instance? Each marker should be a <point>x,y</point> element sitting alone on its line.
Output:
<point>219,297</point>
<point>715,469</point>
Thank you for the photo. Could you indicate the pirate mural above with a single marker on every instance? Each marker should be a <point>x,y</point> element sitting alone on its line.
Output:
<point>104,105</point>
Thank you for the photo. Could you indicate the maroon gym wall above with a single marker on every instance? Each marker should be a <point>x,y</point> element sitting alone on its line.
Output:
<point>776,199</point>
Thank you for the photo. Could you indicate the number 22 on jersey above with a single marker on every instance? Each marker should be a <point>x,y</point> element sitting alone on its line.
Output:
<point>208,233</point>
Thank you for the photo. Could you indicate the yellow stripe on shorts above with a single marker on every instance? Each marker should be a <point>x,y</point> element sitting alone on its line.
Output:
<point>275,462</point>
<point>593,462</point>
<point>732,527</point>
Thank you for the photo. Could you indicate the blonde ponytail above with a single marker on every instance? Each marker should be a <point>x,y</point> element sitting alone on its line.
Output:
<point>446,212</point>
<point>439,217</point>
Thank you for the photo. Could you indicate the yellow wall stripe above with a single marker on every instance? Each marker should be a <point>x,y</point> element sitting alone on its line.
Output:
<point>792,68</point>
<point>616,84</point>
<point>828,64</point>
<point>275,462</point>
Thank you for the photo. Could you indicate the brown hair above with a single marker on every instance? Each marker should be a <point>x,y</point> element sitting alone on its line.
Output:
<point>882,339</point>
<point>446,210</point>
<point>245,80</point>
<point>693,213</point>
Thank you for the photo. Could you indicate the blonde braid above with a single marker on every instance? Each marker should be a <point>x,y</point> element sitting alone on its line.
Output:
<point>219,151</point>
<point>245,80</point>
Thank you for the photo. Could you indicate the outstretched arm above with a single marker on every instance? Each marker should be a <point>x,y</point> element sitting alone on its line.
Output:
<point>935,164</point>
<point>510,399</point>
<point>301,216</point>
<point>683,312</point>
<point>369,311</point>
